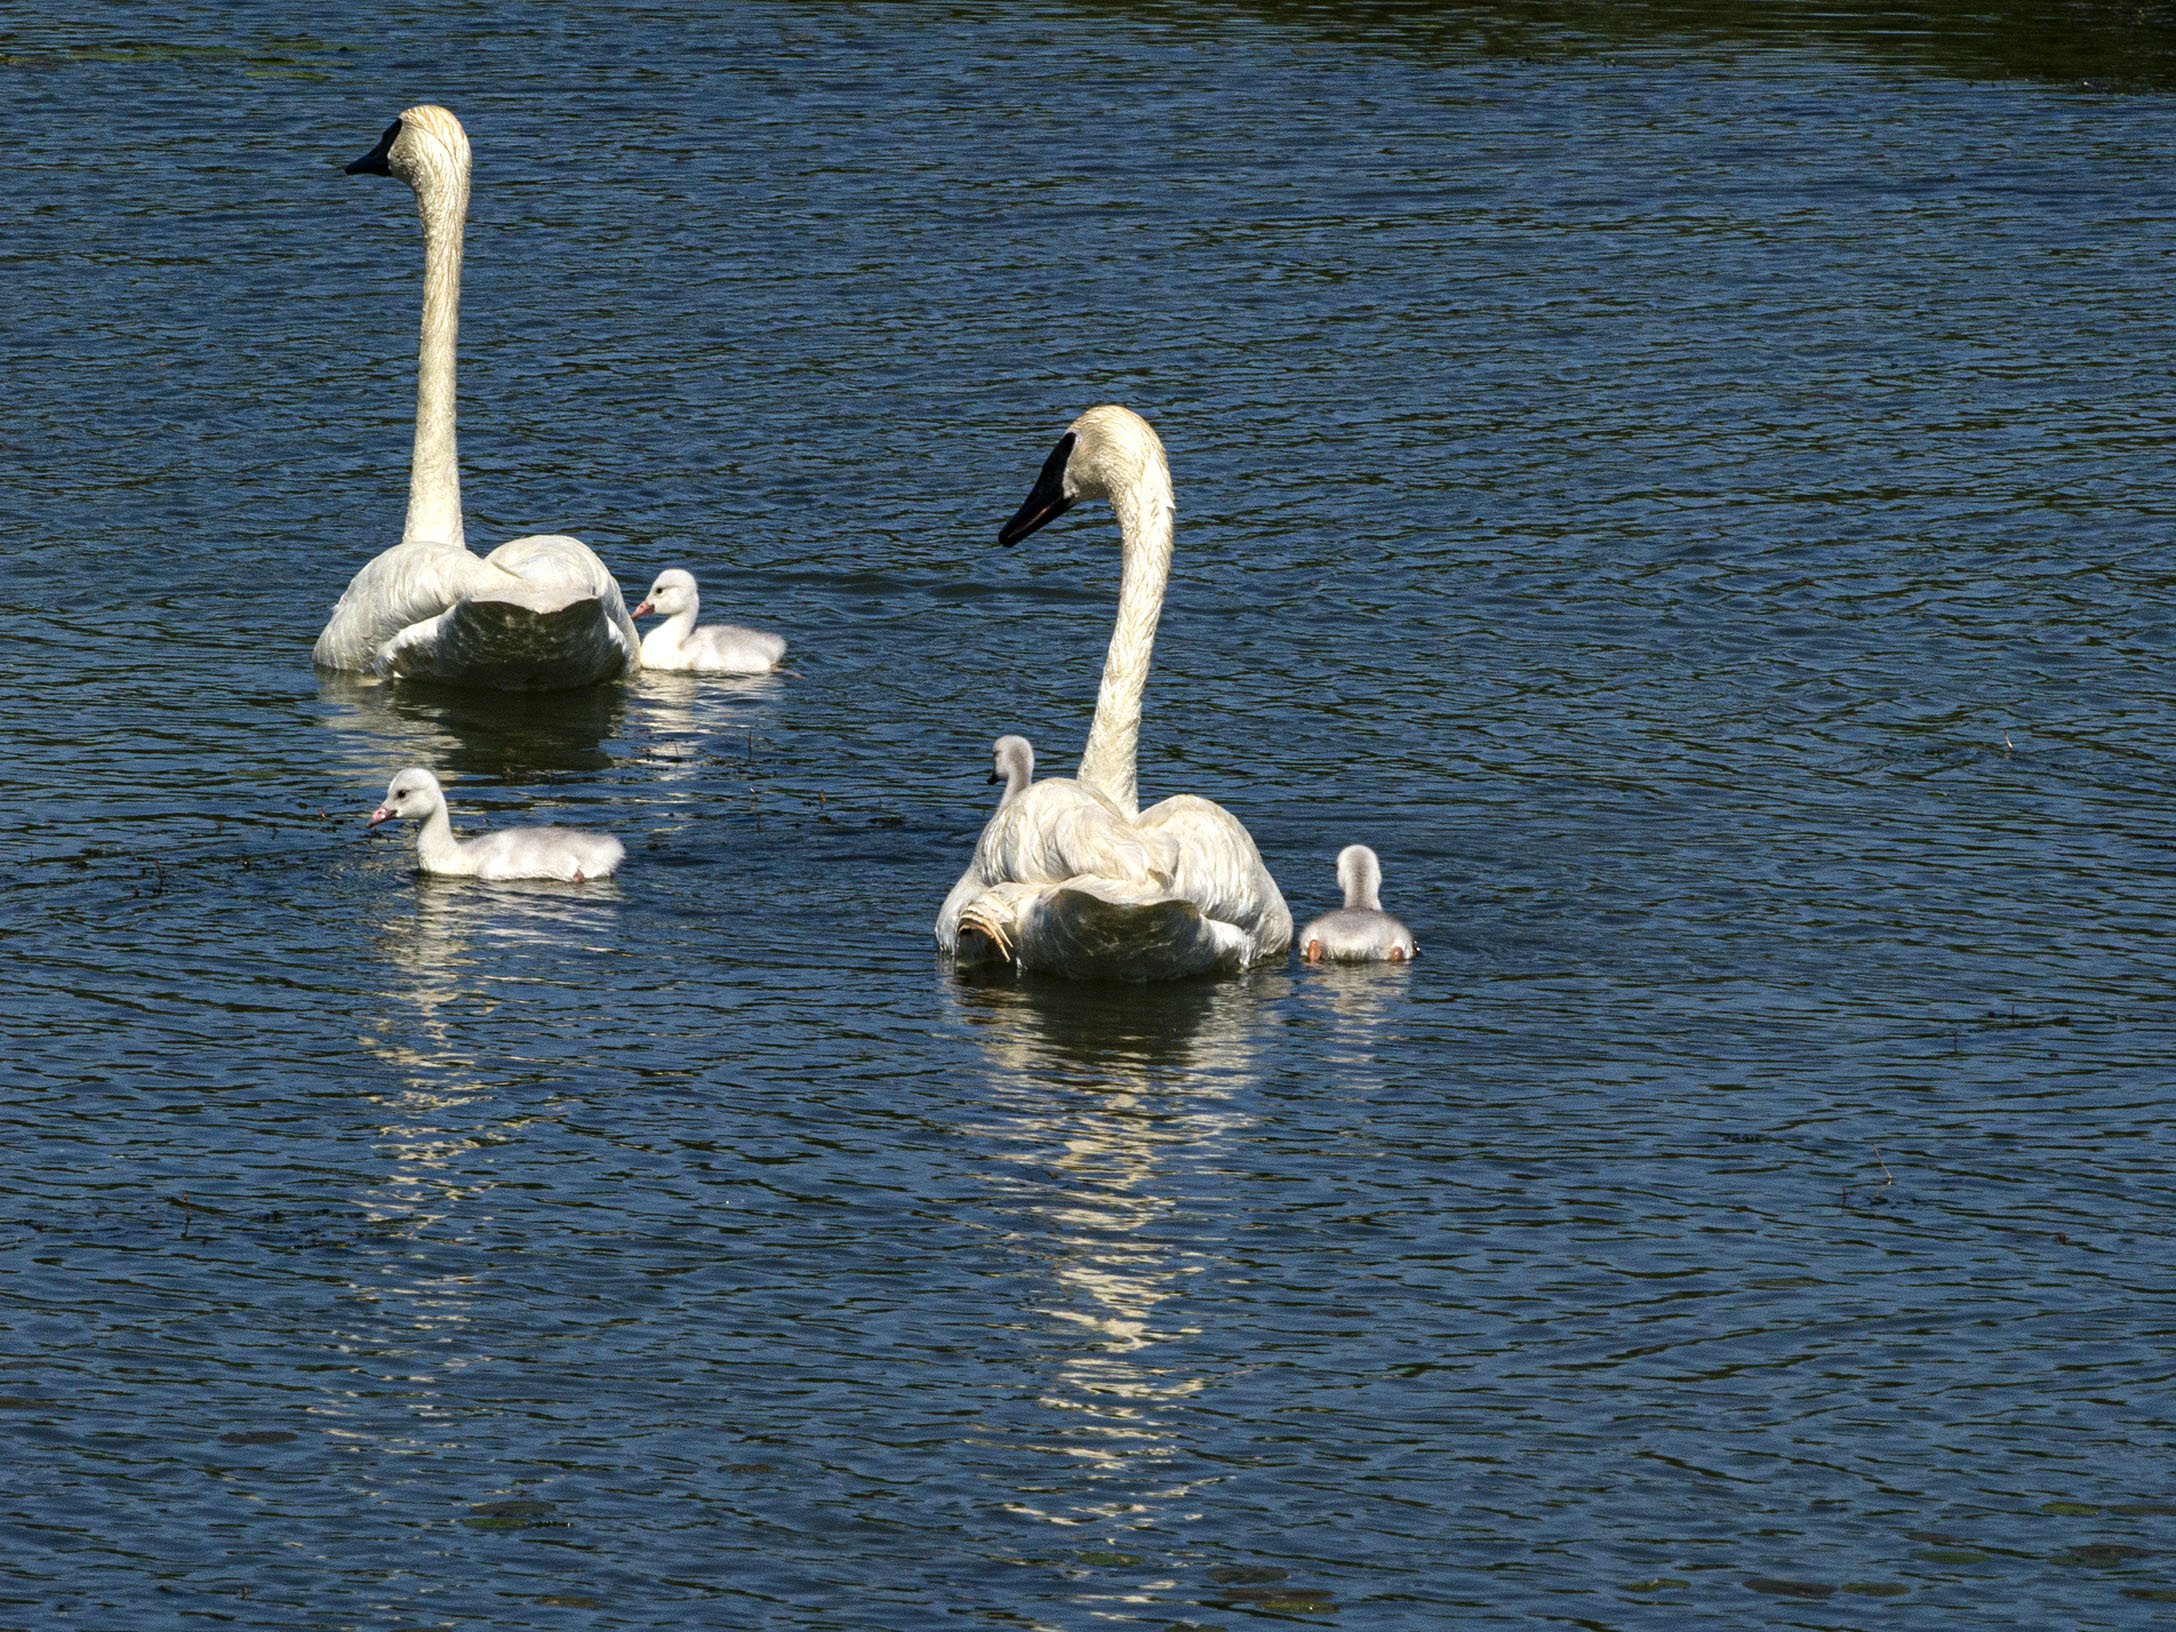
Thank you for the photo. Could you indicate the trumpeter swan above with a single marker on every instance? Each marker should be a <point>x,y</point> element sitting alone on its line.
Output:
<point>1071,877</point>
<point>536,614</point>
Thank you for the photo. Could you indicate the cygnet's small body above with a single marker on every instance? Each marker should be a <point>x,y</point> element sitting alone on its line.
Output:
<point>1359,931</point>
<point>515,852</point>
<point>718,648</point>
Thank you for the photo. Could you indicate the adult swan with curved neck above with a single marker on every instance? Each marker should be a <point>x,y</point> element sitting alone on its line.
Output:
<point>1072,877</point>
<point>536,614</point>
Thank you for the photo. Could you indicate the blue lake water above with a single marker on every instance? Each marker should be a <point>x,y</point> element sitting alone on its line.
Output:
<point>1694,496</point>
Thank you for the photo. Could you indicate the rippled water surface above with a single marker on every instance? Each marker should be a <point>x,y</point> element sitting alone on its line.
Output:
<point>1696,498</point>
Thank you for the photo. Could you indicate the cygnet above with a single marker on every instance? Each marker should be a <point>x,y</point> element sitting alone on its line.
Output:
<point>517,852</point>
<point>1359,931</point>
<point>1015,767</point>
<point>721,648</point>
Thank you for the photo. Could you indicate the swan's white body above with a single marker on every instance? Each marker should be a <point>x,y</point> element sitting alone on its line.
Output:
<point>715,648</point>
<point>537,614</point>
<point>1070,877</point>
<point>515,852</point>
<point>1359,931</point>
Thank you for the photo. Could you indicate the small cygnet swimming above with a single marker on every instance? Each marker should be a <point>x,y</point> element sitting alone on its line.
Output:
<point>516,852</point>
<point>718,648</point>
<point>1359,931</point>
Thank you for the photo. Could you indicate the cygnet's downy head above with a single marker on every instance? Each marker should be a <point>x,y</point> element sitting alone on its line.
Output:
<point>672,594</point>
<point>409,797</point>
<point>426,144</point>
<point>1015,764</point>
<point>1106,450</point>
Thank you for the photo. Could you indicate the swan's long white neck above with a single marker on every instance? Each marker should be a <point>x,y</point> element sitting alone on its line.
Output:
<point>1145,512</point>
<point>434,480</point>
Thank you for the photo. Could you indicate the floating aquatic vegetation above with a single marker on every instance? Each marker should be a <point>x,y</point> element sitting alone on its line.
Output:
<point>2140,1509</point>
<point>514,1515</point>
<point>1279,1600</point>
<point>2102,1552</point>
<point>1954,1555</point>
<point>256,1436</point>
<point>1876,1589</point>
<point>1241,1574</point>
<point>1095,1555</point>
<point>1789,1589</point>
<point>1661,1583</point>
<point>2152,1595</point>
<point>571,1600</point>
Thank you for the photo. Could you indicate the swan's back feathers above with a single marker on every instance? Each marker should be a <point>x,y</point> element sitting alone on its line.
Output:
<point>1063,883</point>
<point>520,648</point>
<point>395,590</point>
<point>1221,871</point>
<point>537,614</point>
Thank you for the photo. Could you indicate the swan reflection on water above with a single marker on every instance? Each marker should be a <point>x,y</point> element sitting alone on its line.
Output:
<point>1108,1107</point>
<point>504,735</point>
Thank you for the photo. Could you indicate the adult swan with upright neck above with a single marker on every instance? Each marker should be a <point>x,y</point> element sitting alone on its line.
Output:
<point>536,614</point>
<point>1072,877</point>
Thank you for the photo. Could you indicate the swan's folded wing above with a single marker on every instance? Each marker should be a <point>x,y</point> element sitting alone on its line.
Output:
<point>1098,929</point>
<point>1220,870</point>
<point>550,572</point>
<point>397,589</point>
<point>1058,830</point>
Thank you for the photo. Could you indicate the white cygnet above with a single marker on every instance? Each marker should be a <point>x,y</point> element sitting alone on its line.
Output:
<point>1015,767</point>
<point>516,852</point>
<point>720,648</point>
<point>1359,931</point>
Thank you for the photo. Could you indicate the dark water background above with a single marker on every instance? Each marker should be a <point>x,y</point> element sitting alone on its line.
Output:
<point>1690,486</point>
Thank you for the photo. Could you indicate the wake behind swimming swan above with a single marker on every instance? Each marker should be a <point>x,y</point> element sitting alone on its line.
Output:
<point>1070,877</point>
<point>517,852</point>
<point>1359,931</point>
<point>537,614</point>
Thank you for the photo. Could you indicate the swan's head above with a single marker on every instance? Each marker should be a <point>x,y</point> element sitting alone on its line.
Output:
<point>1015,767</point>
<point>409,797</point>
<point>1107,450</point>
<point>672,594</point>
<point>423,145</point>
<point>1360,876</point>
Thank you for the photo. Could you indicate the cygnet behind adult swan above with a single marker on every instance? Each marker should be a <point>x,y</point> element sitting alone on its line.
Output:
<point>1359,931</point>
<point>515,852</point>
<point>715,648</point>
<point>1071,877</point>
<point>537,614</point>
<point>1012,763</point>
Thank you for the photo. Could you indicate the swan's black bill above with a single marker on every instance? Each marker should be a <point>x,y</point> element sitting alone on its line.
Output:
<point>377,162</point>
<point>1047,502</point>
